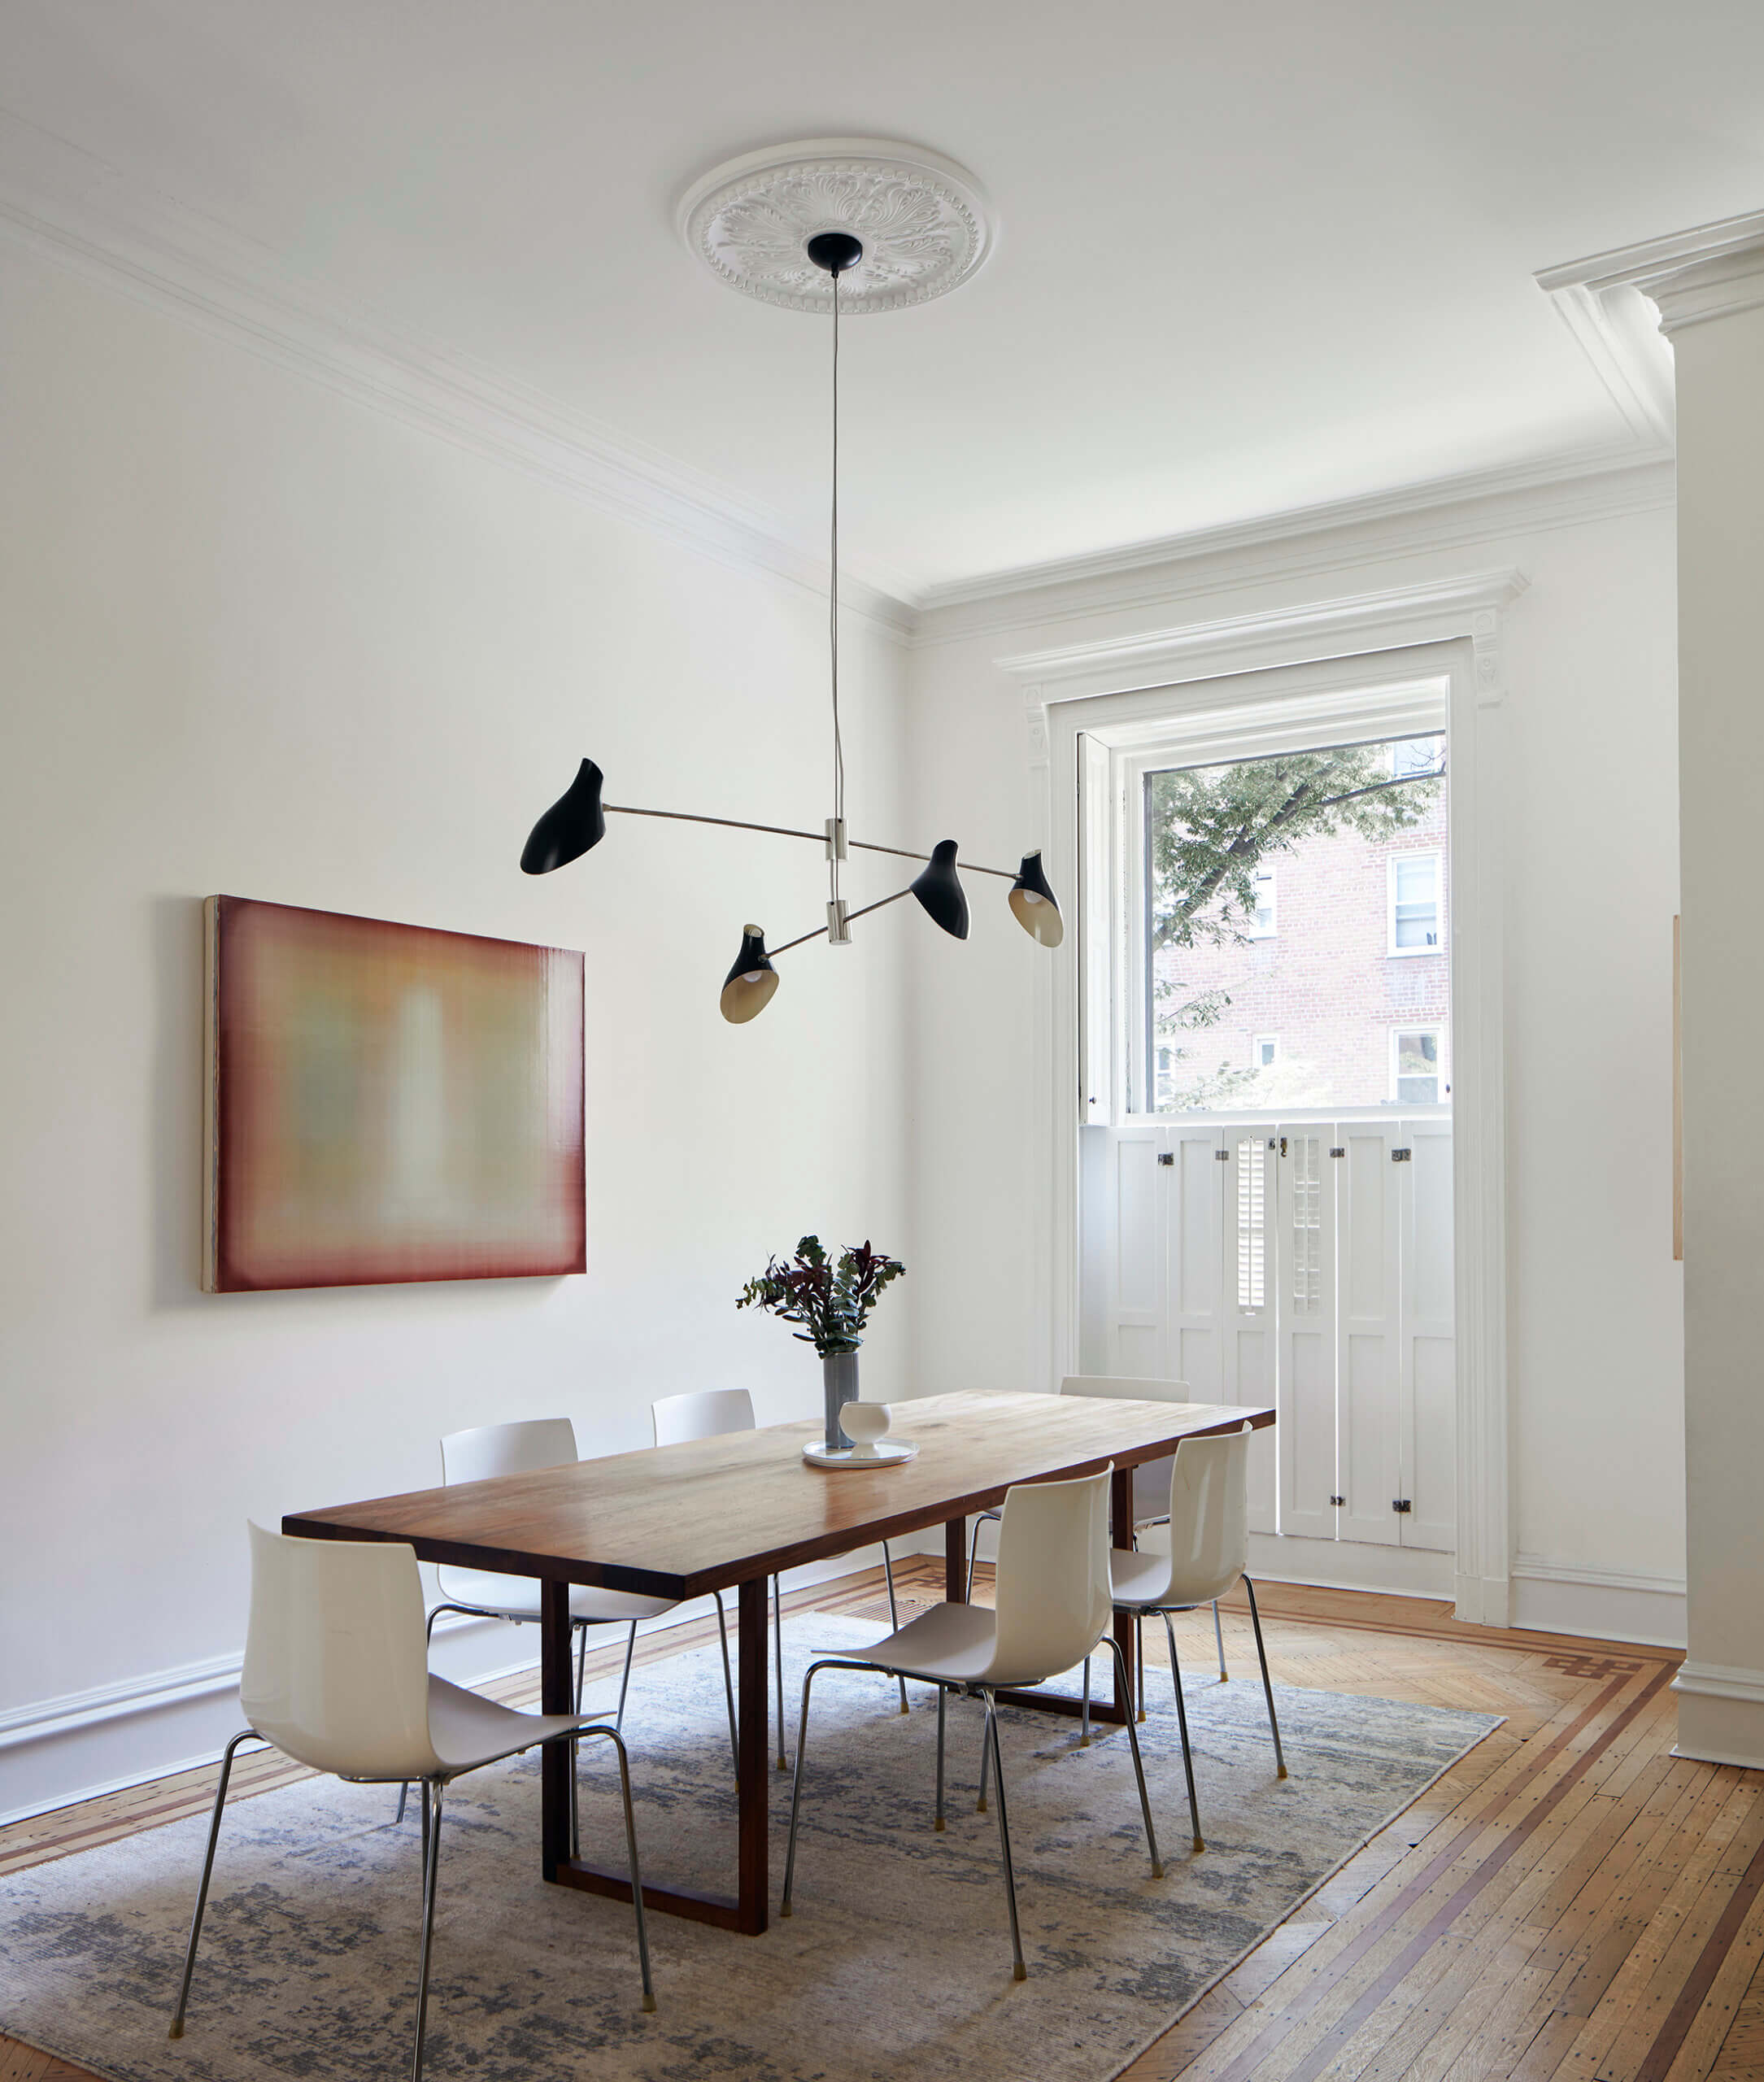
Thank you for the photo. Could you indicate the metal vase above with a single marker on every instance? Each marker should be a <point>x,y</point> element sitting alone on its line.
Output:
<point>839,1376</point>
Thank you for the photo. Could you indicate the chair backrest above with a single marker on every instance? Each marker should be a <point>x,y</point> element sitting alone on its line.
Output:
<point>1151,1482</point>
<point>492,1449</point>
<point>336,1673</point>
<point>1052,1582</point>
<point>706,1413</point>
<point>1208,1516</point>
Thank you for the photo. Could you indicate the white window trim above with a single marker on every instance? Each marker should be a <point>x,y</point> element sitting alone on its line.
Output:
<point>1453,623</point>
<point>1436,1028</point>
<point>1256,1046</point>
<point>1254,931</point>
<point>1392,861</point>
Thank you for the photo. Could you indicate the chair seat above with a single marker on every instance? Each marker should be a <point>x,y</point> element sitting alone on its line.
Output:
<point>517,1597</point>
<point>1149,1580</point>
<point>949,1644</point>
<point>465,1729</point>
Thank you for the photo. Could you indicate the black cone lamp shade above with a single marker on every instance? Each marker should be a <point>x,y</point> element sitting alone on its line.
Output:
<point>1032,906</point>
<point>748,987</point>
<point>574,823</point>
<point>940,891</point>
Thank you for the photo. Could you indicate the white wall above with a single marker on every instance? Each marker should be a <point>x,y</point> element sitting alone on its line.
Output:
<point>1592,833</point>
<point>259,640</point>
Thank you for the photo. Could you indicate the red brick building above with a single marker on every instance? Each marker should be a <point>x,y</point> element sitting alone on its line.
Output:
<point>1340,994</point>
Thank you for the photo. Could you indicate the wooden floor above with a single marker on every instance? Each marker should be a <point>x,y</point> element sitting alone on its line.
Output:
<point>1570,1901</point>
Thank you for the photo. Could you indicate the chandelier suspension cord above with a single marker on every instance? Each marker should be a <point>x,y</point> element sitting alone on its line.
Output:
<point>833,607</point>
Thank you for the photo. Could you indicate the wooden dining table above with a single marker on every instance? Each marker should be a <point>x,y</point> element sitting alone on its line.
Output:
<point>680,1521</point>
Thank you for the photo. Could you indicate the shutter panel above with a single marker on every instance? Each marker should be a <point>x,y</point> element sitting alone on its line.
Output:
<point>1306,1434</point>
<point>1429,1422</point>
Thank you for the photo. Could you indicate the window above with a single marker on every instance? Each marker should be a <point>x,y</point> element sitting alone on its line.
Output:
<point>1416,1066</point>
<point>1262,921</point>
<point>1414,903</point>
<point>1264,1051</point>
<point>1164,1061</point>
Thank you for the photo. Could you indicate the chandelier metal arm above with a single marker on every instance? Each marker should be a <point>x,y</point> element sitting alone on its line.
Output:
<point>789,831</point>
<point>850,917</point>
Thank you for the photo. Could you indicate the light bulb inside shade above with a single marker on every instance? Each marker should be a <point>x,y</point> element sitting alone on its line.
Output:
<point>748,987</point>
<point>1034,905</point>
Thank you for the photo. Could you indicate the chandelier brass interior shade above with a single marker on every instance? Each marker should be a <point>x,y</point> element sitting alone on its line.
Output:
<point>849,207</point>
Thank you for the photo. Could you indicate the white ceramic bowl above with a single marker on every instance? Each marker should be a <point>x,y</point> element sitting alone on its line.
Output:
<point>863,1423</point>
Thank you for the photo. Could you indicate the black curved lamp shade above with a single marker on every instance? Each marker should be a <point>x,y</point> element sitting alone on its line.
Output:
<point>574,823</point>
<point>748,987</point>
<point>1032,905</point>
<point>938,889</point>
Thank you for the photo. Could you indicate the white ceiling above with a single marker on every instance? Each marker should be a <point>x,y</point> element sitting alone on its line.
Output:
<point>1253,258</point>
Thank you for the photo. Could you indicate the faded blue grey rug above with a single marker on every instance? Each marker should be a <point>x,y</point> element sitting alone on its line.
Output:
<point>895,1964</point>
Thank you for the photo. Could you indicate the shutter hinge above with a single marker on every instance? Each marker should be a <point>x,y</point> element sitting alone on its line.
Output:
<point>1337,1499</point>
<point>1335,1150</point>
<point>1166,1156</point>
<point>1401,1504</point>
<point>1221,1156</point>
<point>1401,1155</point>
<point>1283,1145</point>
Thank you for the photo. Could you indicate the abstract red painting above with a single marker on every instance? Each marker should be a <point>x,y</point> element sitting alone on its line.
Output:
<point>387,1103</point>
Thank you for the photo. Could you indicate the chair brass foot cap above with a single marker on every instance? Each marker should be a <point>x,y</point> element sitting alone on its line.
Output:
<point>1142,1713</point>
<point>1083,1742</point>
<point>1198,1845</point>
<point>980,1806</point>
<point>1282,1772</point>
<point>1019,1972</point>
<point>649,2002</point>
<point>938,1825</point>
<point>781,1765</point>
<point>176,2031</point>
<point>1157,1871</point>
<point>784,1909</point>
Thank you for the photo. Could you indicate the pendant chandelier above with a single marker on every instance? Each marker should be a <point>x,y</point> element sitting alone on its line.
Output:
<point>789,226</point>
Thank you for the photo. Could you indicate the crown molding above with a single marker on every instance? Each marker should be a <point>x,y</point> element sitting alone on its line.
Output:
<point>1450,514</point>
<point>1709,272</point>
<point>69,207</point>
<point>1434,611</point>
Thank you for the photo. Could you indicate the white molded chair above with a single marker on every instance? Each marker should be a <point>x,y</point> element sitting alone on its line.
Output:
<point>1052,1610</point>
<point>336,1676</point>
<point>710,1413</point>
<point>1209,1552</point>
<point>490,1450</point>
<point>1151,1483</point>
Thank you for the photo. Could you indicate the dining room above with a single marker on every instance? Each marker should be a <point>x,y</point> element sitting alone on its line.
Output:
<point>875,1201</point>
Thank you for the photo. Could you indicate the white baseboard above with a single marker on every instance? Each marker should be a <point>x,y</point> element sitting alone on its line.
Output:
<point>1606,1604</point>
<point>1721,1714</point>
<point>57,1751</point>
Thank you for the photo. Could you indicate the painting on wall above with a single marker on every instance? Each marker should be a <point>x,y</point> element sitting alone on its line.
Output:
<point>387,1103</point>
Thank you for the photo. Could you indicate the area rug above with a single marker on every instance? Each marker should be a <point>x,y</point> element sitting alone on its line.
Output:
<point>896,1962</point>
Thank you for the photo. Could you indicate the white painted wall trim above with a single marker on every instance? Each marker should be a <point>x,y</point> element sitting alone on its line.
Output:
<point>1463,620</point>
<point>73,210</point>
<point>1720,1680</point>
<point>1606,1604</point>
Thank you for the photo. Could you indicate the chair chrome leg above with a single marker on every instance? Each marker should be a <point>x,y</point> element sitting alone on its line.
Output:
<point>729,1682</point>
<point>582,1659</point>
<point>894,1622</point>
<point>1218,1636</point>
<point>1181,1721</point>
<point>1138,1766</point>
<point>1019,1971</point>
<point>404,1794</point>
<point>1267,1688</point>
<point>813,1671</point>
<point>612,1736</point>
<point>432,1866</point>
<point>244,1734</point>
<point>777,1657</point>
<point>1084,1725</point>
<point>1138,1656</point>
<point>625,1682</point>
<point>942,1716</point>
<point>974,1551</point>
<point>985,1767</point>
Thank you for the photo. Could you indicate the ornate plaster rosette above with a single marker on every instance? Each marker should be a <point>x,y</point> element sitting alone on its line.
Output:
<point>925,224</point>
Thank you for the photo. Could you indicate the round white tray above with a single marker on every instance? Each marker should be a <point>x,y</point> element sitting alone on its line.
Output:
<point>886,1453</point>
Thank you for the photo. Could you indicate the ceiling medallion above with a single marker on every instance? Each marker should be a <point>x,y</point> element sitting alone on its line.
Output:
<point>925,224</point>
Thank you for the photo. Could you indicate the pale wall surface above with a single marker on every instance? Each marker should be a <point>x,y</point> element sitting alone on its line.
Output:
<point>1591,836</point>
<point>259,641</point>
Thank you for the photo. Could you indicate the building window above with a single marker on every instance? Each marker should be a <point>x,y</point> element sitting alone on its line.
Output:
<point>1416,1066</point>
<point>1264,1051</point>
<point>1263,920</point>
<point>1410,756</point>
<point>1414,903</point>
